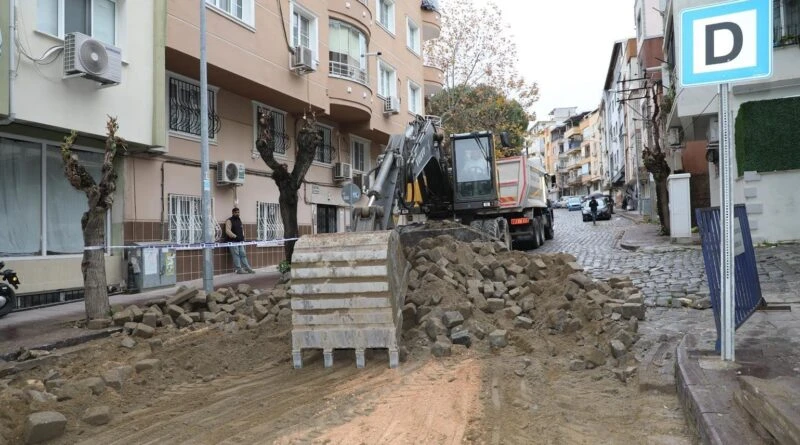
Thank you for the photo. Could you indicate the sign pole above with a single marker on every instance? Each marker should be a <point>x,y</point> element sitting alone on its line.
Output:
<point>727,277</point>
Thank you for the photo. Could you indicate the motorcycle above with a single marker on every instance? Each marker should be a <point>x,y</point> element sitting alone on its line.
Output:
<point>7,297</point>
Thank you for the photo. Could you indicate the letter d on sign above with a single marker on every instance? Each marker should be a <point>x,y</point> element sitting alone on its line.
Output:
<point>711,32</point>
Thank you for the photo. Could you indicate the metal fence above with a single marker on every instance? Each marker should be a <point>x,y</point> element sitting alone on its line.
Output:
<point>747,294</point>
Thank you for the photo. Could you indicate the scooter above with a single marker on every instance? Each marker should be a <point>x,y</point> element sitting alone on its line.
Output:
<point>8,299</point>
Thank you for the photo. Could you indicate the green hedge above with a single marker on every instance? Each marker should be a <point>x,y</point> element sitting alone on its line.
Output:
<point>768,135</point>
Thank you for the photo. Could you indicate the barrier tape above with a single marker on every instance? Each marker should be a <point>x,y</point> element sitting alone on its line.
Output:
<point>197,246</point>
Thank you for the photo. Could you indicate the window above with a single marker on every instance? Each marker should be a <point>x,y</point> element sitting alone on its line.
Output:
<point>387,80</point>
<point>412,36</point>
<point>239,9</point>
<point>185,219</point>
<point>785,22</point>
<point>304,28</point>
<point>34,187</point>
<point>347,44</point>
<point>360,155</point>
<point>326,219</point>
<point>324,152</point>
<point>184,108</point>
<point>386,14</point>
<point>268,219</point>
<point>96,18</point>
<point>276,126</point>
<point>414,98</point>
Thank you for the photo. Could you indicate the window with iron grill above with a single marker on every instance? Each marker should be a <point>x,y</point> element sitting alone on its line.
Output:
<point>785,22</point>
<point>326,219</point>
<point>324,152</point>
<point>184,108</point>
<point>185,219</point>
<point>276,124</point>
<point>268,219</point>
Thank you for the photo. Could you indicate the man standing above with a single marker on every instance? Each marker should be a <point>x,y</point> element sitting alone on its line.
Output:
<point>593,207</point>
<point>234,233</point>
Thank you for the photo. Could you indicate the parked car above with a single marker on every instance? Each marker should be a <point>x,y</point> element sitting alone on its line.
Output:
<point>574,204</point>
<point>603,210</point>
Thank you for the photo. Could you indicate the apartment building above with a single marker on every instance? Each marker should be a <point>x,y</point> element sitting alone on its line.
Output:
<point>356,67</point>
<point>765,165</point>
<point>52,81</point>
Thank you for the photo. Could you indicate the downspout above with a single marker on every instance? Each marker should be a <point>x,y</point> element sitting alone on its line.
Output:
<point>12,48</point>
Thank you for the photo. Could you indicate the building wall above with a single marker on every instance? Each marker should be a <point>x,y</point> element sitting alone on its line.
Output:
<point>78,103</point>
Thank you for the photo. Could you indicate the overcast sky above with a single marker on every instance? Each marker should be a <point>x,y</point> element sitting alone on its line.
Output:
<point>565,46</point>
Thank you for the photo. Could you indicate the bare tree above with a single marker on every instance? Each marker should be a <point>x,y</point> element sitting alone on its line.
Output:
<point>308,140</point>
<point>655,160</point>
<point>475,48</point>
<point>100,195</point>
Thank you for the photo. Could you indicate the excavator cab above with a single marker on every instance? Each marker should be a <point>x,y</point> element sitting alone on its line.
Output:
<point>475,181</point>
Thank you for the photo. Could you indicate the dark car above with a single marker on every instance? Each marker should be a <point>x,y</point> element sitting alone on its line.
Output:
<point>603,210</point>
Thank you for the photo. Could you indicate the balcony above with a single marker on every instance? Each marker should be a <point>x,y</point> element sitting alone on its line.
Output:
<point>786,23</point>
<point>434,80</point>
<point>356,13</point>
<point>431,19</point>
<point>350,101</point>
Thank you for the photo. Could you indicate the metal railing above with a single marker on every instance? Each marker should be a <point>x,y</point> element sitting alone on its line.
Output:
<point>340,69</point>
<point>786,22</point>
<point>184,109</point>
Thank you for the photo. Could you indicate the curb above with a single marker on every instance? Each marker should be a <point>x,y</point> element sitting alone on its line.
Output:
<point>65,343</point>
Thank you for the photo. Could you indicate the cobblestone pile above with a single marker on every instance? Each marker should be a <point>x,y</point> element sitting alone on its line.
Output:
<point>467,293</point>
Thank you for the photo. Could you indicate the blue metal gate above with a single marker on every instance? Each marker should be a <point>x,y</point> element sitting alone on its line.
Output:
<point>747,294</point>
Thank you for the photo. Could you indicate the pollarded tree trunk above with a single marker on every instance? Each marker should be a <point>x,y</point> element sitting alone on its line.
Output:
<point>100,197</point>
<point>93,266</point>
<point>655,161</point>
<point>308,140</point>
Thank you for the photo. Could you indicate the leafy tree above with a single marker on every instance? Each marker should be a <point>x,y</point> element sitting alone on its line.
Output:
<point>482,108</point>
<point>100,195</point>
<point>475,48</point>
<point>308,139</point>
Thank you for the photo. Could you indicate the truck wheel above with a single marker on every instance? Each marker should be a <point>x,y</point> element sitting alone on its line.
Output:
<point>535,243</point>
<point>548,230</point>
<point>490,228</point>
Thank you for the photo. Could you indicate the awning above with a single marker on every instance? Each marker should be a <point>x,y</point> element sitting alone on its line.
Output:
<point>619,178</point>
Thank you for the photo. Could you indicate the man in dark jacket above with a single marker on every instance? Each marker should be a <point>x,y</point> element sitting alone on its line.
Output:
<point>593,207</point>
<point>234,233</point>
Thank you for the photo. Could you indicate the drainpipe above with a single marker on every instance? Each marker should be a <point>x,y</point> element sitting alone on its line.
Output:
<point>12,32</point>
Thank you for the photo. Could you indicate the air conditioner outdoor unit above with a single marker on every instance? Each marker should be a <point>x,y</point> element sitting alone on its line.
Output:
<point>302,60</point>
<point>674,136</point>
<point>362,181</point>
<point>391,105</point>
<point>713,130</point>
<point>229,172</point>
<point>342,171</point>
<point>92,59</point>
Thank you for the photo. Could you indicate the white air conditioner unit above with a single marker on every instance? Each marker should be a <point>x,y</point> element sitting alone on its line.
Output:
<point>229,172</point>
<point>713,131</point>
<point>342,171</point>
<point>391,105</point>
<point>302,60</point>
<point>362,181</point>
<point>674,136</point>
<point>92,59</point>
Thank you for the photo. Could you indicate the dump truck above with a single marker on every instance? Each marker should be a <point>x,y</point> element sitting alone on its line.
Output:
<point>347,289</point>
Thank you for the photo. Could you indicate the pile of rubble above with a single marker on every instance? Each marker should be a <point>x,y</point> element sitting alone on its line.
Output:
<point>464,293</point>
<point>190,307</point>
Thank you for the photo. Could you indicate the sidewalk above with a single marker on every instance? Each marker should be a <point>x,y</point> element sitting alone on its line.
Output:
<point>54,326</point>
<point>765,344</point>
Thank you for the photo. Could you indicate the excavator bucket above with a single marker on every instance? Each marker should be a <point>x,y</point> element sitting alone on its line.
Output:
<point>347,292</point>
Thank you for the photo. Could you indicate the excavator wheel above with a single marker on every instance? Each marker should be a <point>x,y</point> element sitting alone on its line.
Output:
<point>347,292</point>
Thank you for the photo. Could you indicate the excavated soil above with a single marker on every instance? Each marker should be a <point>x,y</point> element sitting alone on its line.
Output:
<point>558,380</point>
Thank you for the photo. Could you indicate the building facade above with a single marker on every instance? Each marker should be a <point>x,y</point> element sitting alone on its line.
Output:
<point>355,68</point>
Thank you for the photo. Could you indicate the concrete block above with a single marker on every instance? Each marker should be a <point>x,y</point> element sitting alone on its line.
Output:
<point>43,426</point>
<point>750,192</point>
<point>751,176</point>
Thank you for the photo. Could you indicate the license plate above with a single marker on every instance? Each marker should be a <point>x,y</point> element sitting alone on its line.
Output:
<point>518,221</point>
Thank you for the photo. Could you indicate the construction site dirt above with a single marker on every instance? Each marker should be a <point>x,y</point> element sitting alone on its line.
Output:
<point>498,347</point>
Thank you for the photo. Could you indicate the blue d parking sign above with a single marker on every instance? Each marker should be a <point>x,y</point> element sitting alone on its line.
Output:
<point>725,42</point>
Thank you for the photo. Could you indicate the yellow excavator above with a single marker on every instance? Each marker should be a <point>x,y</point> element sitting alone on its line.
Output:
<point>348,289</point>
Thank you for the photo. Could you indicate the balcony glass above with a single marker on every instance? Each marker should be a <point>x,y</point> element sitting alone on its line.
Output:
<point>347,44</point>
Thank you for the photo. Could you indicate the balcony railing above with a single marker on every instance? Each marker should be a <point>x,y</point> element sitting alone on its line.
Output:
<point>347,71</point>
<point>786,22</point>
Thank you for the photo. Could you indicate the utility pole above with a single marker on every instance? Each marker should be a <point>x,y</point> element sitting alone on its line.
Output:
<point>208,264</point>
